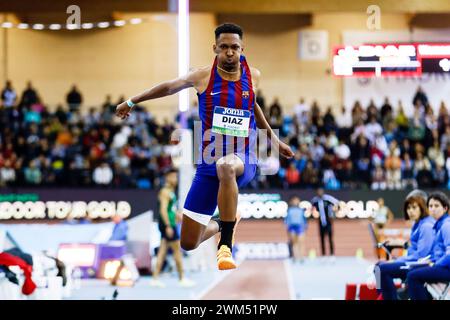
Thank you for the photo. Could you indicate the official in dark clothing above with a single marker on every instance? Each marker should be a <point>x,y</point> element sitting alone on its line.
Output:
<point>324,204</point>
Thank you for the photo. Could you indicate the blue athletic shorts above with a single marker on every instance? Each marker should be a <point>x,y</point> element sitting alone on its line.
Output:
<point>201,200</point>
<point>297,229</point>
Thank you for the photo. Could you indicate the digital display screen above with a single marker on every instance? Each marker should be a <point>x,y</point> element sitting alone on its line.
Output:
<point>394,59</point>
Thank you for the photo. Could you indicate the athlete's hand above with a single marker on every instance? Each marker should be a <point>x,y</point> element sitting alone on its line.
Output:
<point>123,110</point>
<point>169,231</point>
<point>285,150</point>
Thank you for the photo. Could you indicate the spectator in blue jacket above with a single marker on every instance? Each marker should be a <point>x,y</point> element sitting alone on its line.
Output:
<point>421,242</point>
<point>296,227</point>
<point>120,230</point>
<point>438,268</point>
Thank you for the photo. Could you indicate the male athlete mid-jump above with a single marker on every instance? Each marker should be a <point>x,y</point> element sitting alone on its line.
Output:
<point>230,118</point>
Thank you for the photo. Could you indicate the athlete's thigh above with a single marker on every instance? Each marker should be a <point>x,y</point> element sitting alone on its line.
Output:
<point>174,245</point>
<point>294,237</point>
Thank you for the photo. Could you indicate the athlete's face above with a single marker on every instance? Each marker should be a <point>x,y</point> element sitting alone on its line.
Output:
<point>228,48</point>
<point>172,179</point>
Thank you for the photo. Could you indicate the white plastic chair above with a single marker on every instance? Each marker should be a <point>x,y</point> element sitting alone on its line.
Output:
<point>439,291</point>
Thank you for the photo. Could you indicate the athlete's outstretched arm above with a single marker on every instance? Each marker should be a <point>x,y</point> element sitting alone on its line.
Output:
<point>262,123</point>
<point>161,90</point>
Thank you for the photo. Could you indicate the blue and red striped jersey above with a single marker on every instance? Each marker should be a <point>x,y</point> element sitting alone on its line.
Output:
<point>227,94</point>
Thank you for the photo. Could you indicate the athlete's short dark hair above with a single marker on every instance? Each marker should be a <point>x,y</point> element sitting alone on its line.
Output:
<point>441,197</point>
<point>228,28</point>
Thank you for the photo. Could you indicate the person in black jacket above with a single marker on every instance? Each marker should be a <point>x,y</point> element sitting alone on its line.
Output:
<point>325,205</point>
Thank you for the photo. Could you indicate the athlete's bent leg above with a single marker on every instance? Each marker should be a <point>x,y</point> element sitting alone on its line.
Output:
<point>228,169</point>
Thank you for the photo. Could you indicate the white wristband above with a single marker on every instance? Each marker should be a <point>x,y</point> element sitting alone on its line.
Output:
<point>130,103</point>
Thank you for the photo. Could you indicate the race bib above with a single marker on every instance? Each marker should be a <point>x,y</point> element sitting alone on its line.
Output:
<point>231,122</point>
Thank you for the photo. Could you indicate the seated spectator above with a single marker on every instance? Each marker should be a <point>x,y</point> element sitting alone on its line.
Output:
<point>344,173</point>
<point>378,178</point>
<point>430,119</point>
<point>33,114</point>
<point>401,119</point>
<point>329,122</point>
<point>33,174</point>
<point>438,268</point>
<point>344,122</point>
<point>373,129</point>
<point>358,114</point>
<point>443,118</point>
<point>422,171</point>
<point>361,159</point>
<point>300,108</point>
<point>317,151</point>
<point>64,137</point>
<point>315,114</point>
<point>310,176</point>
<point>329,180</point>
<point>360,130</point>
<point>7,173</point>
<point>292,176</point>
<point>108,109</point>
<point>332,140</point>
<point>421,242</point>
<point>61,114</point>
<point>436,155</point>
<point>416,128</point>
<point>405,148</point>
<point>445,138</point>
<point>372,111</point>
<point>276,115</point>
<point>440,177</point>
<point>408,177</point>
<point>393,165</point>
<point>386,110</point>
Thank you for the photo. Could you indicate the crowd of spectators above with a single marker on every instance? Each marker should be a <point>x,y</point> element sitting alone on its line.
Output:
<point>70,148</point>
<point>377,147</point>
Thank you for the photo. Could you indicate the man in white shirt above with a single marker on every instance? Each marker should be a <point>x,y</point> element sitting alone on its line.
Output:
<point>373,129</point>
<point>300,108</point>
